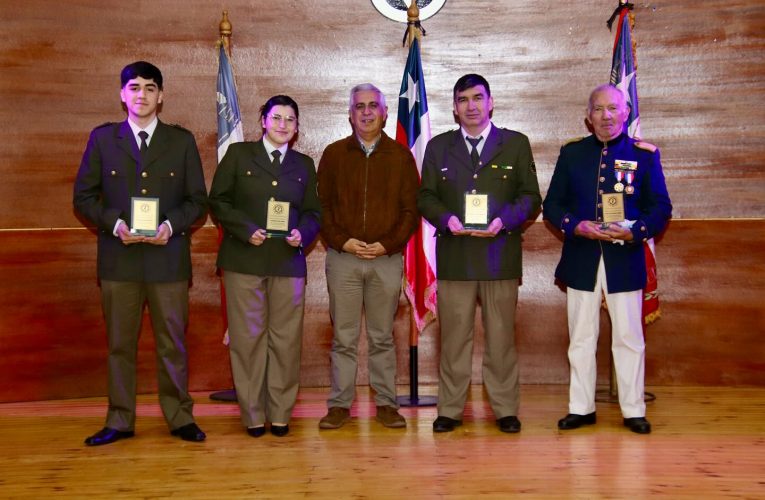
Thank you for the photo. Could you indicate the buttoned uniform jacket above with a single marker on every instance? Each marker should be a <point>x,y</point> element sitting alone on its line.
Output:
<point>244,182</point>
<point>581,176</point>
<point>111,173</point>
<point>507,174</point>
<point>370,198</point>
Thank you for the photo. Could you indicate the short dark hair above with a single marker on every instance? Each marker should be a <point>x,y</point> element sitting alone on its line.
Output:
<point>141,69</point>
<point>469,81</point>
<point>279,100</point>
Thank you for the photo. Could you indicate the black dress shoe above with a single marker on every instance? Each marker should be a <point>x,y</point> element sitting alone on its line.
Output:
<point>107,435</point>
<point>445,424</point>
<point>280,430</point>
<point>256,432</point>
<point>638,424</point>
<point>574,421</point>
<point>509,424</point>
<point>189,432</point>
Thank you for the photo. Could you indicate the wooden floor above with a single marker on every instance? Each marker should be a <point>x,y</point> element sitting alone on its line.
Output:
<point>707,443</point>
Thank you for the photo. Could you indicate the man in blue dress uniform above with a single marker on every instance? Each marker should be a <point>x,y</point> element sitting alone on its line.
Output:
<point>607,196</point>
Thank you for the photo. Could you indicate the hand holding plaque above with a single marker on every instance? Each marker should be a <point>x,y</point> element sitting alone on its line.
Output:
<point>277,218</point>
<point>476,211</point>
<point>144,216</point>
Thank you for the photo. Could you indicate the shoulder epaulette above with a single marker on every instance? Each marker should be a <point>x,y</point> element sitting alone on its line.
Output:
<point>104,125</point>
<point>575,139</point>
<point>646,145</point>
<point>175,125</point>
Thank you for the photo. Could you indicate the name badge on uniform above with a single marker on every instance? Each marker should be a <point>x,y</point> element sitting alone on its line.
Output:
<point>476,211</point>
<point>144,216</point>
<point>277,218</point>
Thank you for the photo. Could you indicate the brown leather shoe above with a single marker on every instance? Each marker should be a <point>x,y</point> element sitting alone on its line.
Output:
<point>336,417</point>
<point>390,417</point>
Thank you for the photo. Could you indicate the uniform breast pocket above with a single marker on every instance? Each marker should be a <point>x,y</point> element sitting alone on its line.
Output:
<point>172,181</point>
<point>248,174</point>
<point>113,174</point>
<point>447,177</point>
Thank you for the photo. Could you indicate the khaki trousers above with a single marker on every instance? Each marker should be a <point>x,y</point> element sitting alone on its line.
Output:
<point>123,303</point>
<point>265,328</point>
<point>456,311</point>
<point>375,286</point>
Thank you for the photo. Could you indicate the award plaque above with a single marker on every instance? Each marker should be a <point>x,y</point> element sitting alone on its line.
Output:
<point>613,208</point>
<point>144,215</point>
<point>277,218</point>
<point>476,211</point>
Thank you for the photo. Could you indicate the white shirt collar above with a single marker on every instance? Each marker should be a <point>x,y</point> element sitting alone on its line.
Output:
<point>270,148</point>
<point>150,128</point>
<point>484,133</point>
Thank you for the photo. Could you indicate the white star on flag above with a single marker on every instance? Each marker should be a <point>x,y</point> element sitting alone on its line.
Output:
<point>624,84</point>
<point>411,95</point>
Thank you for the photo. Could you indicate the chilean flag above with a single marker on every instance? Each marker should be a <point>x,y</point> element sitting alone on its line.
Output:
<point>624,77</point>
<point>413,131</point>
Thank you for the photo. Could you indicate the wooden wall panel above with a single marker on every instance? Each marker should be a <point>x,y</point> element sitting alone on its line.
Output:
<point>701,67</point>
<point>54,344</point>
<point>701,84</point>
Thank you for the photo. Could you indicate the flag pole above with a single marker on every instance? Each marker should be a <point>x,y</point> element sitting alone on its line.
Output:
<point>228,395</point>
<point>414,32</point>
<point>611,395</point>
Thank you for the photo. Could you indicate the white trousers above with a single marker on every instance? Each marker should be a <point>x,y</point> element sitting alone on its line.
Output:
<point>627,345</point>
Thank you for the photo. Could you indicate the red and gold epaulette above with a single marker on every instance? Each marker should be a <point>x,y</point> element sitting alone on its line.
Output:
<point>646,145</point>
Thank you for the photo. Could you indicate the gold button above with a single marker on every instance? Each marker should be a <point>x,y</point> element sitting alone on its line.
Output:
<point>504,177</point>
<point>600,205</point>
<point>566,220</point>
<point>473,191</point>
<point>563,231</point>
<point>172,174</point>
<point>605,152</point>
<point>600,218</point>
<point>603,165</point>
<point>600,191</point>
<point>114,172</point>
<point>602,179</point>
<point>143,191</point>
<point>642,228</point>
<point>475,176</point>
<point>144,175</point>
<point>443,178</point>
<point>480,163</point>
<point>249,172</point>
<point>274,183</point>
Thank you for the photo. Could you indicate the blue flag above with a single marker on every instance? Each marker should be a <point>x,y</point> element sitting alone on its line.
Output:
<point>624,74</point>
<point>229,119</point>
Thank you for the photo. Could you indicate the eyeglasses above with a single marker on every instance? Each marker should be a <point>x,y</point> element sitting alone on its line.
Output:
<point>289,120</point>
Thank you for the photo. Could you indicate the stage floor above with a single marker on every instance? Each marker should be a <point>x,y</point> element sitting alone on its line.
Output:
<point>706,443</point>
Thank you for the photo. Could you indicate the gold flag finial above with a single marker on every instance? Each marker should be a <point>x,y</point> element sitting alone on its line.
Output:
<point>414,29</point>
<point>225,32</point>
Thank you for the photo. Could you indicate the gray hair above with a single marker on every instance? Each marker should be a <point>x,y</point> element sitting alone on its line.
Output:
<point>603,88</point>
<point>362,87</point>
